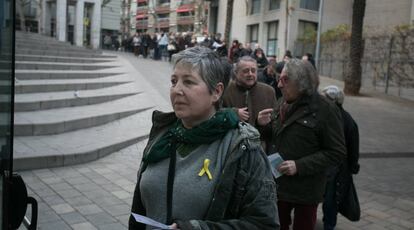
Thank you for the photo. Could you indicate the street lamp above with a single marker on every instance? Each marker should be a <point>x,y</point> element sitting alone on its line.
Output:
<point>318,39</point>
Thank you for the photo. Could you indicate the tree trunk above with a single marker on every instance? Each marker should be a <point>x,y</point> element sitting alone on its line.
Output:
<point>19,8</point>
<point>197,17</point>
<point>229,17</point>
<point>353,77</point>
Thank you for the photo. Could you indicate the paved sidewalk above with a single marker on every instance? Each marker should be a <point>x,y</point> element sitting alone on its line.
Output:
<point>385,122</point>
<point>98,195</point>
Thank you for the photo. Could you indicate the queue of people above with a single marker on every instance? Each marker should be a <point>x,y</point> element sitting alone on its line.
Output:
<point>162,45</point>
<point>205,165</point>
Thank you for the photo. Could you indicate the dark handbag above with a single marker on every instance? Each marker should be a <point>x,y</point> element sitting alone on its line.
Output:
<point>349,206</point>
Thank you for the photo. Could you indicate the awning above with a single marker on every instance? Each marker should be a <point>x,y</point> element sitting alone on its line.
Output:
<point>185,8</point>
<point>141,1</point>
<point>141,16</point>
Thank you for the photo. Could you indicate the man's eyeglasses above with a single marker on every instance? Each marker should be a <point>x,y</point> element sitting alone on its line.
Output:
<point>247,70</point>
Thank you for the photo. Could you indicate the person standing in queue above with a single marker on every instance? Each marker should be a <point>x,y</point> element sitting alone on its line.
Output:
<point>202,168</point>
<point>307,133</point>
<point>340,177</point>
<point>247,96</point>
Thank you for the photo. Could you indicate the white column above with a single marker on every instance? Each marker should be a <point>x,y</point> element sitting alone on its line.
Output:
<point>412,11</point>
<point>46,18</point>
<point>96,25</point>
<point>80,7</point>
<point>61,20</point>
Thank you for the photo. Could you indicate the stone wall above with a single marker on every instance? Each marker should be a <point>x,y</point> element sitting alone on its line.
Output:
<point>387,64</point>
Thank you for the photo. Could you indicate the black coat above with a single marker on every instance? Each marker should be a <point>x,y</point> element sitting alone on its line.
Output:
<point>343,174</point>
<point>351,133</point>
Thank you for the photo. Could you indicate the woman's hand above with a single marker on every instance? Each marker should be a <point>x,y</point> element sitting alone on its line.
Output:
<point>264,117</point>
<point>174,226</point>
<point>288,168</point>
<point>243,114</point>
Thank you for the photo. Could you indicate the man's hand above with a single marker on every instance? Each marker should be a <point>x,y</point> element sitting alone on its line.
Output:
<point>264,117</point>
<point>288,168</point>
<point>243,114</point>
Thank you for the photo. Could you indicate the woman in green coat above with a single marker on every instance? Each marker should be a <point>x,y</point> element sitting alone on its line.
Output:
<point>202,168</point>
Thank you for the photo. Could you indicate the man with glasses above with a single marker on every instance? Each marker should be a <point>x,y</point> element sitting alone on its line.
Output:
<point>248,96</point>
<point>307,132</point>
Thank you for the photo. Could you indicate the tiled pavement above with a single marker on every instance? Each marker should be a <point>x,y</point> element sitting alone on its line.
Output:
<point>97,195</point>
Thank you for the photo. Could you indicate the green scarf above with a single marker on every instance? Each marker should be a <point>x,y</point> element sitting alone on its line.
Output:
<point>205,133</point>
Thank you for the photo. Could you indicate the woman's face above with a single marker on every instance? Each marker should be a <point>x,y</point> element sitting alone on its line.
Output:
<point>190,98</point>
<point>289,88</point>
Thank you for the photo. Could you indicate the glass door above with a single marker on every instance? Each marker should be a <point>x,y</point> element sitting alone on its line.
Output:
<point>6,106</point>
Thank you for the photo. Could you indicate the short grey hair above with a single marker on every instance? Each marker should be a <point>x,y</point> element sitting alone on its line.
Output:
<point>243,58</point>
<point>304,74</point>
<point>207,63</point>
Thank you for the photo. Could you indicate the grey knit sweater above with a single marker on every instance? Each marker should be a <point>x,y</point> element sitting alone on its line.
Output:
<point>191,193</point>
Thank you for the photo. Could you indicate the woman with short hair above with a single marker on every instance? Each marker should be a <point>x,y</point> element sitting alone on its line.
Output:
<point>202,168</point>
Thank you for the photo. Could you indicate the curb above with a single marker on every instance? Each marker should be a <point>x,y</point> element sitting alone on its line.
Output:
<point>387,155</point>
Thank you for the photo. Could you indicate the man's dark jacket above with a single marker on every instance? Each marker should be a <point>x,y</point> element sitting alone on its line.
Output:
<point>312,136</point>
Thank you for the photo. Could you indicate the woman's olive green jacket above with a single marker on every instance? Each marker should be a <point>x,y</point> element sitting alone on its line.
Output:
<point>245,195</point>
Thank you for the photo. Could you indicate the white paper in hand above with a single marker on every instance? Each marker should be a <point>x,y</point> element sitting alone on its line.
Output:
<point>275,160</point>
<point>149,221</point>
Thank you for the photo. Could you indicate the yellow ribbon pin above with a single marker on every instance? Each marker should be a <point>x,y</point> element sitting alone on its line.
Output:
<point>205,170</point>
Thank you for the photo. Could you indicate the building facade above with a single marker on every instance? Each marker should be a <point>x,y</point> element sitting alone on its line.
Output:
<point>168,16</point>
<point>111,17</point>
<point>81,22</point>
<point>383,15</point>
<point>275,25</point>
<point>278,25</point>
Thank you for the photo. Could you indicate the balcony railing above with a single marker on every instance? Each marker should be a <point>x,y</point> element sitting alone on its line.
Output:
<point>163,22</point>
<point>142,24</point>
<point>162,9</point>
<point>185,20</point>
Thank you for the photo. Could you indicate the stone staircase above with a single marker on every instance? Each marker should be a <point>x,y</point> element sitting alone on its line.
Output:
<point>72,104</point>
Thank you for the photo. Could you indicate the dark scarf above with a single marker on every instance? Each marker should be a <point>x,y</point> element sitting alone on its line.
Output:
<point>287,109</point>
<point>205,133</point>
